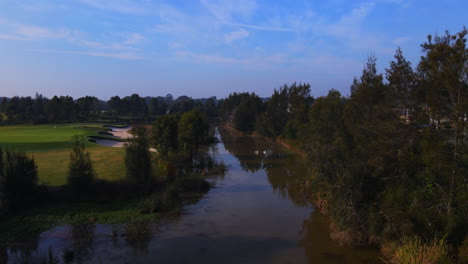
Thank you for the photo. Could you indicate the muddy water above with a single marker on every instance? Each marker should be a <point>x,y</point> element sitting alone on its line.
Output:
<point>257,213</point>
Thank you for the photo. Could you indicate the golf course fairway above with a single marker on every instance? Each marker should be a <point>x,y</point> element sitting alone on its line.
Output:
<point>50,145</point>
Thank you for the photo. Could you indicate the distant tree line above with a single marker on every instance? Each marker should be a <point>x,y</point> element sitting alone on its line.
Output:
<point>64,109</point>
<point>283,114</point>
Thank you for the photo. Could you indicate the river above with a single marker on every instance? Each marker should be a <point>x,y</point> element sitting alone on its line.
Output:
<point>256,213</point>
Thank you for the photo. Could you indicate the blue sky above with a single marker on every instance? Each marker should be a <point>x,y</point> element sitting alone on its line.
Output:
<point>202,48</point>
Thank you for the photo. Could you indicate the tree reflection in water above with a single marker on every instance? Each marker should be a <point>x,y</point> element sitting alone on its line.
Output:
<point>138,236</point>
<point>3,255</point>
<point>83,237</point>
<point>23,253</point>
<point>320,248</point>
<point>287,174</point>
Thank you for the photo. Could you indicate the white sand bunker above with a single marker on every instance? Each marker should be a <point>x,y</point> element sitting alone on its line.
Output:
<point>122,133</point>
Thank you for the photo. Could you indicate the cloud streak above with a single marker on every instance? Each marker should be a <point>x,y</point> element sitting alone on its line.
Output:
<point>236,35</point>
<point>113,55</point>
<point>120,6</point>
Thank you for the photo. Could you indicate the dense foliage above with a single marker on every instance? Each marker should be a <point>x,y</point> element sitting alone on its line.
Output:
<point>165,133</point>
<point>18,180</point>
<point>389,160</point>
<point>192,132</point>
<point>242,110</point>
<point>138,157</point>
<point>80,169</point>
<point>286,111</point>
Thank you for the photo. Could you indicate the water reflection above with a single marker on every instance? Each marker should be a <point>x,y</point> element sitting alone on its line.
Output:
<point>258,212</point>
<point>287,174</point>
<point>23,252</point>
<point>3,255</point>
<point>320,248</point>
<point>83,237</point>
<point>245,149</point>
<point>138,236</point>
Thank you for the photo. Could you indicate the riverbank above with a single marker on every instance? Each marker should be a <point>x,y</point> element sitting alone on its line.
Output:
<point>318,198</point>
<point>288,144</point>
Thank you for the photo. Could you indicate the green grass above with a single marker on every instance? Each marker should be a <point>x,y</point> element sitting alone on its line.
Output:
<point>51,144</point>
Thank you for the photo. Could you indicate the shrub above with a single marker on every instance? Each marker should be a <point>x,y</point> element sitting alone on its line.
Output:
<point>80,170</point>
<point>2,186</point>
<point>160,202</point>
<point>414,251</point>
<point>20,177</point>
<point>138,158</point>
<point>463,251</point>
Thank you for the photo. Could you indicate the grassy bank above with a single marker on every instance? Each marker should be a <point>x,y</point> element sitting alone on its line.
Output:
<point>50,145</point>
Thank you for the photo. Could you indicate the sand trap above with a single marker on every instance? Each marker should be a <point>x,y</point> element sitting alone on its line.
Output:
<point>122,133</point>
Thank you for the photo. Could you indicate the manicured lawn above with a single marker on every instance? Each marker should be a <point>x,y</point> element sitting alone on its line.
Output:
<point>51,144</point>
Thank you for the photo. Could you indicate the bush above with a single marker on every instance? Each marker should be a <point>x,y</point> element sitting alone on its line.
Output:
<point>160,202</point>
<point>19,177</point>
<point>414,251</point>
<point>2,186</point>
<point>80,170</point>
<point>463,251</point>
<point>138,158</point>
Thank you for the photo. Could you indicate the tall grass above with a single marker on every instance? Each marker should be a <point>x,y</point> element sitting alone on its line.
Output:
<point>413,250</point>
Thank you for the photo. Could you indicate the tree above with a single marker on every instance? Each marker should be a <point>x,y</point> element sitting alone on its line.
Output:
<point>3,202</point>
<point>138,157</point>
<point>20,177</point>
<point>80,169</point>
<point>165,133</point>
<point>245,115</point>
<point>193,131</point>
<point>115,104</point>
<point>402,84</point>
<point>401,79</point>
<point>87,107</point>
<point>210,107</point>
<point>324,139</point>
<point>443,73</point>
<point>369,151</point>
<point>286,111</point>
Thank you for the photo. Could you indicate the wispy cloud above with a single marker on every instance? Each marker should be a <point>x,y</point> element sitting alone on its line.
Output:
<point>12,37</point>
<point>114,55</point>
<point>258,62</point>
<point>236,35</point>
<point>18,31</point>
<point>133,38</point>
<point>121,6</point>
<point>122,48</point>
<point>226,10</point>
<point>263,28</point>
<point>400,40</point>
<point>36,32</point>
<point>349,25</point>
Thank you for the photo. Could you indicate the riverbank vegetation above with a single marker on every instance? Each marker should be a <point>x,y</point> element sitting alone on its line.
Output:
<point>389,159</point>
